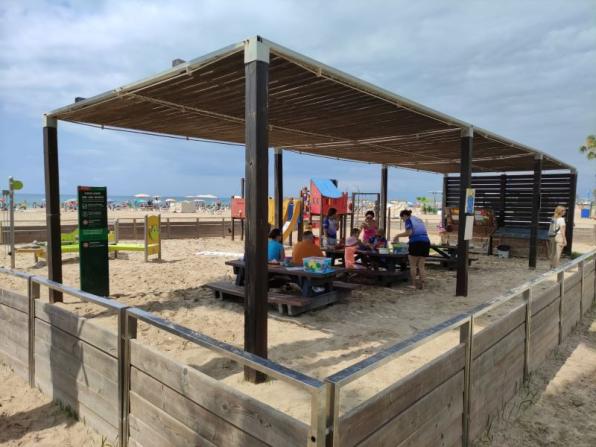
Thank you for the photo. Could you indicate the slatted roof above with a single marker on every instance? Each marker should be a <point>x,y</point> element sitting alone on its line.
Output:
<point>313,109</point>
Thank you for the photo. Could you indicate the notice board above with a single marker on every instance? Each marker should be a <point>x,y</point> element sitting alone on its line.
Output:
<point>93,240</point>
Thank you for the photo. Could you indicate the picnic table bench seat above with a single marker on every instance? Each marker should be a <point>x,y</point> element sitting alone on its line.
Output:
<point>291,305</point>
<point>382,277</point>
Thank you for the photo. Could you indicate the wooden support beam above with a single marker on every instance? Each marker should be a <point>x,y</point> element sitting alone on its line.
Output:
<point>278,186</point>
<point>571,212</point>
<point>444,200</point>
<point>383,199</point>
<point>52,186</point>
<point>256,60</point>
<point>465,181</point>
<point>536,204</point>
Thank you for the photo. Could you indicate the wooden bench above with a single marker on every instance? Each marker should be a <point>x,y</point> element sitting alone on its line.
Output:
<point>291,305</point>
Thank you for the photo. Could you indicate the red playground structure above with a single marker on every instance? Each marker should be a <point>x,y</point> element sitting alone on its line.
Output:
<point>323,195</point>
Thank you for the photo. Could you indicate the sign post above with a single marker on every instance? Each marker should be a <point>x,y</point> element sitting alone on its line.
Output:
<point>13,185</point>
<point>93,240</point>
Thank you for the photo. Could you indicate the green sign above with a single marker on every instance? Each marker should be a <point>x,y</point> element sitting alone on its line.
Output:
<point>17,185</point>
<point>93,240</point>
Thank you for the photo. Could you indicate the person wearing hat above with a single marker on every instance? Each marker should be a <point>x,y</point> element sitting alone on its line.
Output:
<point>418,248</point>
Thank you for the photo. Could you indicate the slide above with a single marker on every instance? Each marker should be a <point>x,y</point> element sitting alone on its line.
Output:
<point>291,215</point>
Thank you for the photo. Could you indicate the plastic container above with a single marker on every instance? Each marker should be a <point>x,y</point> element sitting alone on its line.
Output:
<point>315,264</point>
<point>400,248</point>
<point>585,213</point>
<point>503,251</point>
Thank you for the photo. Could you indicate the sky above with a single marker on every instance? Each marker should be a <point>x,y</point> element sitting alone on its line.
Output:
<point>525,70</point>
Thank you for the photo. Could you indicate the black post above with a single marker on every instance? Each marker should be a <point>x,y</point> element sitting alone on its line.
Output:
<point>465,181</point>
<point>279,189</point>
<point>536,204</point>
<point>256,60</point>
<point>501,221</point>
<point>571,212</point>
<point>444,200</point>
<point>242,220</point>
<point>52,184</point>
<point>383,200</point>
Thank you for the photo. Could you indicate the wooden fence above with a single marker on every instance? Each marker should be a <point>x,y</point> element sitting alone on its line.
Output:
<point>129,391</point>
<point>132,229</point>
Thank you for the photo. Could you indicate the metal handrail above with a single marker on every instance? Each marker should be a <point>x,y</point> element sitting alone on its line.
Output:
<point>245,358</point>
<point>353,372</point>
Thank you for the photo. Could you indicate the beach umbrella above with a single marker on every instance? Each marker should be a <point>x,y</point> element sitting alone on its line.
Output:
<point>170,200</point>
<point>70,200</point>
<point>142,196</point>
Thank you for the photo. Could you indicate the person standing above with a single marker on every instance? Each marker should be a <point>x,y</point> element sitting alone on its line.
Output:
<point>556,234</point>
<point>418,248</point>
<point>330,228</point>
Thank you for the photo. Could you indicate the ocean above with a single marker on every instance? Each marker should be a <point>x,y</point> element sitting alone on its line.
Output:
<point>30,198</point>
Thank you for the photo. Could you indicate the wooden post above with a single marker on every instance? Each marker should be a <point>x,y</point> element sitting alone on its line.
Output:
<point>278,188</point>
<point>352,212</point>
<point>134,228</point>
<point>466,336</point>
<point>223,227</point>
<point>444,200</point>
<point>535,210</point>
<point>233,232</point>
<point>300,231</point>
<point>256,62</point>
<point>168,227</point>
<point>388,229</point>
<point>242,182</point>
<point>571,213</point>
<point>127,330</point>
<point>52,186</point>
<point>198,225</point>
<point>561,281</point>
<point>527,353</point>
<point>465,181</point>
<point>33,294</point>
<point>383,200</point>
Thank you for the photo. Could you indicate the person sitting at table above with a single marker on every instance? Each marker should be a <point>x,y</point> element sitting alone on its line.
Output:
<point>350,251</point>
<point>330,228</point>
<point>305,248</point>
<point>419,246</point>
<point>275,249</point>
<point>379,240</point>
<point>368,227</point>
<point>355,233</point>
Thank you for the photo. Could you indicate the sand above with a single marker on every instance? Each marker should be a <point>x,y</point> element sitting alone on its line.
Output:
<point>30,418</point>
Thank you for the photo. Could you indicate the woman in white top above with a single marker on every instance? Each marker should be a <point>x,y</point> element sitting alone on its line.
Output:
<point>557,233</point>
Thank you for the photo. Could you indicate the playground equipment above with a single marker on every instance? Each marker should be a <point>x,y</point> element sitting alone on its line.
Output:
<point>324,194</point>
<point>291,211</point>
<point>70,243</point>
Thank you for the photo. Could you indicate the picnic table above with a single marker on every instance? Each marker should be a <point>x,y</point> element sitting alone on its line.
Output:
<point>317,289</point>
<point>311,284</point>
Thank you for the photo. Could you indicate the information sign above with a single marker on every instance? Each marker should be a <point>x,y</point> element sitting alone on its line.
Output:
<point>93,240</point>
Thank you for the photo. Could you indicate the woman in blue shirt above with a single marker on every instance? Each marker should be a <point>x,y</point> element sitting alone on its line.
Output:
<point>418,248</point>
<point>275,249</point>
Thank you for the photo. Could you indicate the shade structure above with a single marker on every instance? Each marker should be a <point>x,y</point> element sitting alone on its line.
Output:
<point>313,108</point>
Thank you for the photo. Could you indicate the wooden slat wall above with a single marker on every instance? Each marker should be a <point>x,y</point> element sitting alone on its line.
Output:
<point>497,372</point>
<point>13,332</point>
<point>177,229</point>
<point>425,405</point>
<point>187,407</point>
<point>76,363</point>
<point>556,190</point>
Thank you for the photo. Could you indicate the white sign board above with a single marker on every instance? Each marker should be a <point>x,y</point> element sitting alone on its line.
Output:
<point>469,228</point>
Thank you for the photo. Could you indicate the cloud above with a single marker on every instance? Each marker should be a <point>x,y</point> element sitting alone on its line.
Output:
<point>522,69</point>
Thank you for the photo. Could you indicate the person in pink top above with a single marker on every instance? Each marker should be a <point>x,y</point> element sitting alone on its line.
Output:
<point>368,227</point>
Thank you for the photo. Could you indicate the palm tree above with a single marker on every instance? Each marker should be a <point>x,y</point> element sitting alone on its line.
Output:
<point>590,147</point>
